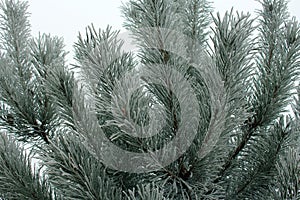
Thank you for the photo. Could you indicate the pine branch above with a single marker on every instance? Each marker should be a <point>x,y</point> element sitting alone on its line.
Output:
<point>196,19</point>
<point>15,33</point>
<point>278,96</point>
<point>75,172</point>
<point>267,148</point>
<point>286,185</point>
<point>243,146</point>
<point>17,178</point>
<point>24,92</point>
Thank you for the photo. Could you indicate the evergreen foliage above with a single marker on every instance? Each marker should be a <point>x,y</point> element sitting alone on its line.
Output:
<point>58,122</point>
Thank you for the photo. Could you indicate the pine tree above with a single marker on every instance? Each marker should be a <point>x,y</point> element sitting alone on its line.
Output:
<point>205,107</point>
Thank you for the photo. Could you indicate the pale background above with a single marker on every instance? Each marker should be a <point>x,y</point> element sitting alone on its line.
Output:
<point>65,18</point>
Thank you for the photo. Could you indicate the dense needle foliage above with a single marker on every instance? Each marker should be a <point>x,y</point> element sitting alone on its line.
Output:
<point>222,90</point>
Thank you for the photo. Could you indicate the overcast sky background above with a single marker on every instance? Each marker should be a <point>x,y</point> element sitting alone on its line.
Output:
<point>66,18</point>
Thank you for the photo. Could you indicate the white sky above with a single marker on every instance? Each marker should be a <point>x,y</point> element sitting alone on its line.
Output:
<point>65,18</point>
